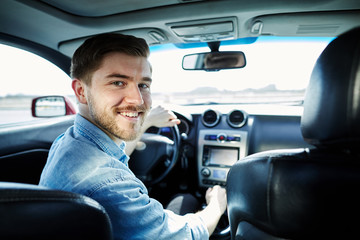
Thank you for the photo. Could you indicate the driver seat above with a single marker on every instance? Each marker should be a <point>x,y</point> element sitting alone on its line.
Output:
<point>308,193</point>
<point>32,212</point>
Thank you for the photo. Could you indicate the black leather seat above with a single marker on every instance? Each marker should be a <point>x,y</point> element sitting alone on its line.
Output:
<point>308,193</point>
<point>33,212</point>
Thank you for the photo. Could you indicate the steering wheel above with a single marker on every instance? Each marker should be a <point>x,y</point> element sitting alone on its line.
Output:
<point>154,152</point>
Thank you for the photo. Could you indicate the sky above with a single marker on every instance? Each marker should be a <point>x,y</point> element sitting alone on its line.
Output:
<point>286,64</point>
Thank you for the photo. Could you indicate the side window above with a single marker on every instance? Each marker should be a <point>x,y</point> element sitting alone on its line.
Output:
<point>25,76</point>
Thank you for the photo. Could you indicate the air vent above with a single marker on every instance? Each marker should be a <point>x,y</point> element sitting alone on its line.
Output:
<point>236,118</point>
<point>210,118</point>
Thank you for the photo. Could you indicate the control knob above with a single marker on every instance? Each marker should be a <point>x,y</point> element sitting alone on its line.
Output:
<point>205,172</point>
<point>221,137</point>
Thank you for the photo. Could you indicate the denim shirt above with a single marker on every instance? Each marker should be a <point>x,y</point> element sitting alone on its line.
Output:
<point>85,160</point>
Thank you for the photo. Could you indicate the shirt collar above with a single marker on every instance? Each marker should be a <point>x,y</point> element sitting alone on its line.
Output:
<point>90,131</point>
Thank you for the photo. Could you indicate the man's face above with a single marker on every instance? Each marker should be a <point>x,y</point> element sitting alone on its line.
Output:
<point>119,96</point>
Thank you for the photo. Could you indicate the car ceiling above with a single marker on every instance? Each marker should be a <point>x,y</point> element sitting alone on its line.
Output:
<point>63,25</point>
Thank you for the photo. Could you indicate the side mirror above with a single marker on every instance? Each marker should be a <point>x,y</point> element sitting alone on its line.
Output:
<point>52,106</point>
<point>214,61</point>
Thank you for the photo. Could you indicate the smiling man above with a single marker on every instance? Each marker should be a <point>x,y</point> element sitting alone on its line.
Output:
<point>111,80</point>
<point>117,99</point>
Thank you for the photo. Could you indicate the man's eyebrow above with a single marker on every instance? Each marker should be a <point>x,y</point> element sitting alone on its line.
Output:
<point>117,75</point>
<point>147,79</point>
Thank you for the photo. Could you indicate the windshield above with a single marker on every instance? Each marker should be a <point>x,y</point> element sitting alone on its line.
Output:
<point>278,70</point>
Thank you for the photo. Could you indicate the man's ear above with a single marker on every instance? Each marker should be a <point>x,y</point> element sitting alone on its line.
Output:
<point>79,89</point>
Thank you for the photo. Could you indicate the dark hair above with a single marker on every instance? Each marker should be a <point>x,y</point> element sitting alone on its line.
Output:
<point>88,57</point>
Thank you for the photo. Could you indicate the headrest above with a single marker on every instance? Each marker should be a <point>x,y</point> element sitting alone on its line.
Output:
<point>332,101</point>
<point>33,212</point>
<point>294,194</point>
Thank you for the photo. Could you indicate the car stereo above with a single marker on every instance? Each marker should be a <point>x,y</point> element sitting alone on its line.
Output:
<point>218,150</point>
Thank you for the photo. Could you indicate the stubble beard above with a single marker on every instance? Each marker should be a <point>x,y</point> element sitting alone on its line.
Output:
<point>107,121</point>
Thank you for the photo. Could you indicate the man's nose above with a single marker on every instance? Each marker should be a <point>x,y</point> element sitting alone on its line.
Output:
<point>133,95</point>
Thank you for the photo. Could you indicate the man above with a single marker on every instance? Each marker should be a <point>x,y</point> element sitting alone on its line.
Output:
<point>111,80</point>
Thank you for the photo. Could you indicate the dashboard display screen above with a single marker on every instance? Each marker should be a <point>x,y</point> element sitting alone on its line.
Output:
<point>223,156</point>
<point>219,174</point>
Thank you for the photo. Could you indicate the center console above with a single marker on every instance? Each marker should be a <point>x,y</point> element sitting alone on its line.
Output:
<point>218,150</point>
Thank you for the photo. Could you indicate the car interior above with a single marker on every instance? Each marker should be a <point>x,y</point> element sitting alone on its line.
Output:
<point>288,175</point>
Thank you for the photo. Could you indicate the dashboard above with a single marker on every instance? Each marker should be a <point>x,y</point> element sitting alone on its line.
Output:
<point>219,148</point>
<point>220,139</point>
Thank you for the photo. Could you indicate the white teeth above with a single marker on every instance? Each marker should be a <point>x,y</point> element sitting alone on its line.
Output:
<point>130,114</point>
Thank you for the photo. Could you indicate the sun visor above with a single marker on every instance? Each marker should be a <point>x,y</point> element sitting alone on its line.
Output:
<point>206,30</point>
<point>324,24</point>
<point>151,35</point>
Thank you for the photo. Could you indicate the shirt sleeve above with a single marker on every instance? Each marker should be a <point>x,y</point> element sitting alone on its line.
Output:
<point>134,215</point>
<point>197,229</point>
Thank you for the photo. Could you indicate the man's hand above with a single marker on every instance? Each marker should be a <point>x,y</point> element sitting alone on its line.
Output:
<point>217,195</point>
<point>216,206</point>
<point>161,117</point>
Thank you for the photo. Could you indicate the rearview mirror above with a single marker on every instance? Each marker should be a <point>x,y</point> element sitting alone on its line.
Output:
<point>214,61</point>
<point>51,106</point>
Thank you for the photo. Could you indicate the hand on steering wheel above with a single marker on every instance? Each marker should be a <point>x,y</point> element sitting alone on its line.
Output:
<point>155,148</point>
<point>161,117</point>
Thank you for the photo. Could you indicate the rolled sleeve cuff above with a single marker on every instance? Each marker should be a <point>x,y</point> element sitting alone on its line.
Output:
<point>194,225</point>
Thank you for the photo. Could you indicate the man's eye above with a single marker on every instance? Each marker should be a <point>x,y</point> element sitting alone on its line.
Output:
<point>118,83</point>
<point>144,86</point>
